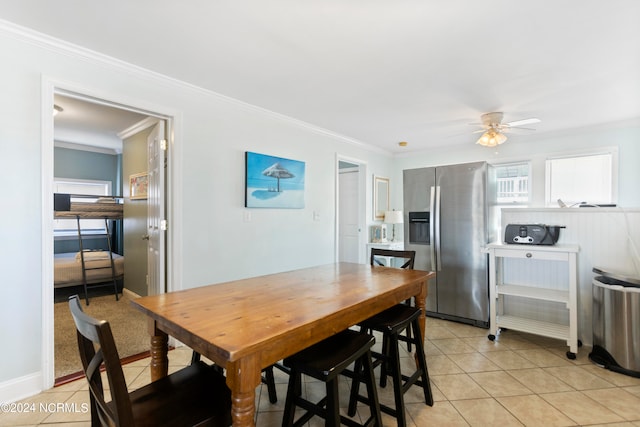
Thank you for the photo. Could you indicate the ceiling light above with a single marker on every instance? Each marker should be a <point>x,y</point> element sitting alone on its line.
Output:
<point>402,143</point>
<point>57,109</point>
<point>491,138</point>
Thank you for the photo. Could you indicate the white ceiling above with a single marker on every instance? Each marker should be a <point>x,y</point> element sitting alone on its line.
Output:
<point>378,71</point>
<point>86,123</point>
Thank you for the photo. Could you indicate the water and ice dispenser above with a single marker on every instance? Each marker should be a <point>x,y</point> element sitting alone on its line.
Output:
<point>419,225</point>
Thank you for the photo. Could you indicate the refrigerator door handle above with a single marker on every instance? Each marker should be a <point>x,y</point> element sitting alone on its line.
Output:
<point>432,233</point>
<point>437,230</point>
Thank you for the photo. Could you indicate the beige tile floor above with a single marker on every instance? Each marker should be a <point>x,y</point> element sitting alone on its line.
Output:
<point>517,380</point>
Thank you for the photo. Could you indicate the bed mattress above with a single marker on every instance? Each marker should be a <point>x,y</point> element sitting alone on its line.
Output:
<point>68,268</point>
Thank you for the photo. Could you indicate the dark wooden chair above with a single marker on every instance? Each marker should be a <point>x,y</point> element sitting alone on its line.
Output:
<point>408,258</point>
<point>195,395</point>
<point>392,323</point>
<point>326,361</point>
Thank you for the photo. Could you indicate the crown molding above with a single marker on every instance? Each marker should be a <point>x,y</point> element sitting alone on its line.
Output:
<point>83,147</point>
<point>138,127</point>
<point>50,43</point>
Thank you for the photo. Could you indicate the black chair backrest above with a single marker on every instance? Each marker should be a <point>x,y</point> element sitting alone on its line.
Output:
<point>97,348</point>
<point>410,256</point>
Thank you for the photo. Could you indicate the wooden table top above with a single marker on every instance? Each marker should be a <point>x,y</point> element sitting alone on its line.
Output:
<point>279,314</point>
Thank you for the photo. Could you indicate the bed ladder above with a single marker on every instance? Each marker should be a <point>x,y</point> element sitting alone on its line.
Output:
<point>112,265</point>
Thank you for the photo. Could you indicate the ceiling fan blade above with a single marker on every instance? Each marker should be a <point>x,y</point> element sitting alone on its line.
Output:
<point>508,128</point>
<point>523,122</point>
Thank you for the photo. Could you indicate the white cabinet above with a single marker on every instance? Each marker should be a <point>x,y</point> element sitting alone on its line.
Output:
<point>534,260</point>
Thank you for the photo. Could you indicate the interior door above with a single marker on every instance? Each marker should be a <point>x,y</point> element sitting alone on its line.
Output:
<point>156,223</point>
<point>349,229</point>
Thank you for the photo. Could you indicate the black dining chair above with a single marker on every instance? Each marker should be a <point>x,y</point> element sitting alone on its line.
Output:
<point>408,259</point>
<point>392,323</point>
<point>326,361</point>
<point>194,395</point>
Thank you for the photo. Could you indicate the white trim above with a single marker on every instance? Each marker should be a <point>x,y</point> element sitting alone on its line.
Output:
<point>582,152</point>
<point>50,86</point>
<point>46,146</point>
<point>174,203</point>
<point>57,45</point>
<point>572,210</point>
<point>130,294</point>
<point>22,387</point>
<point>138,127</point>
<point>83,147</point>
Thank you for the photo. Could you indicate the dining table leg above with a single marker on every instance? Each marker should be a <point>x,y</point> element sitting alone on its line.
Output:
<point>243,377</point>
<point>421,303</point>
<point>159,352</point>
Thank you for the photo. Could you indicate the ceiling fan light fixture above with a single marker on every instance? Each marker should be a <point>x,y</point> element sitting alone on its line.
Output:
<point>491,138</point>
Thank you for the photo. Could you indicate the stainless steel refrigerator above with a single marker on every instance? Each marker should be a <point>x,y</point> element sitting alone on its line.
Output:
<point>448,221</point>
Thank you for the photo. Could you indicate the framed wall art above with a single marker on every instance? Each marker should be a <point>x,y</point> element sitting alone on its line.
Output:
<point>380,197</point>
<point>138,186</point>
<point>273,182</point>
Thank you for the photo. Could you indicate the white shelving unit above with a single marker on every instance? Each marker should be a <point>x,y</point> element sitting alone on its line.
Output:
<point>499,254</point>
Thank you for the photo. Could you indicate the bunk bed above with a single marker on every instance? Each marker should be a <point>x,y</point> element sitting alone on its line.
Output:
<point>87,267</point>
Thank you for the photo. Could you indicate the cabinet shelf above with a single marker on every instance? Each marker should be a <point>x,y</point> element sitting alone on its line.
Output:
<point>537,293</point>
<point>547,329</point>
<point>499,254</point>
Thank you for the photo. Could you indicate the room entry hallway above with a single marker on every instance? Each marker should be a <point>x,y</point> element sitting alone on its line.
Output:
<point>518,380</point>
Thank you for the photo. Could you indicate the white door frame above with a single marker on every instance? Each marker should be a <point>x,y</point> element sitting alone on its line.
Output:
<point>362,202</point>
<point>50,86</point>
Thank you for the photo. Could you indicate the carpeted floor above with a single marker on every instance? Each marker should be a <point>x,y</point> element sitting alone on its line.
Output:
<point>129,327</point>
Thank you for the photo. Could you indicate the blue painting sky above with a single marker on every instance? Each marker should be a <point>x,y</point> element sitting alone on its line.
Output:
<point>257,163</point>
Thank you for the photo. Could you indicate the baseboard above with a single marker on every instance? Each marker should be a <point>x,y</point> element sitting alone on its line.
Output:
<point>130,294</point>
<point>80,374</point>
<point>21,388</point>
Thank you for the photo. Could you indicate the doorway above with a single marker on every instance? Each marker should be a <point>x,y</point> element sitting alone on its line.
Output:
<point>53,136</point>
<point>351,212</point>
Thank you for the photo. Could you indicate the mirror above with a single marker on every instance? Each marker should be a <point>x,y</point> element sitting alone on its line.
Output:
<point>380,197</point>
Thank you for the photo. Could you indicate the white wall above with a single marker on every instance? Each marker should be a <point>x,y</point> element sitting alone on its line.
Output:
<point>537,148</point>
<point>608,238</point>
<point>212,241</point>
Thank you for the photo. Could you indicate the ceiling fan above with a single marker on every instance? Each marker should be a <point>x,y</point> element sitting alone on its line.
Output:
<point>493,130</point>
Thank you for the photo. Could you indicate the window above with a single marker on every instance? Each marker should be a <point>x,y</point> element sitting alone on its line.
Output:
<point>80,186</point>
<point>581,179</point>
<point>512,182</point>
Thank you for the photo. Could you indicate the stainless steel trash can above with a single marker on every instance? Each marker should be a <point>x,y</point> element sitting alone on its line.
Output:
<point>616,322</point>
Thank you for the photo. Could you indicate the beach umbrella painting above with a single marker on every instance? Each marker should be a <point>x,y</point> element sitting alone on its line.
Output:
<point>263,185</point>
<point>278,172</point>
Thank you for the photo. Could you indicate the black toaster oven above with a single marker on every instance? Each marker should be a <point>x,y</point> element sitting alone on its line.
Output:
<point>532,234</point>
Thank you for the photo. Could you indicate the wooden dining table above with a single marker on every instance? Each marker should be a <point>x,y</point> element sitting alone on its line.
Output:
<point>249,324</point>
